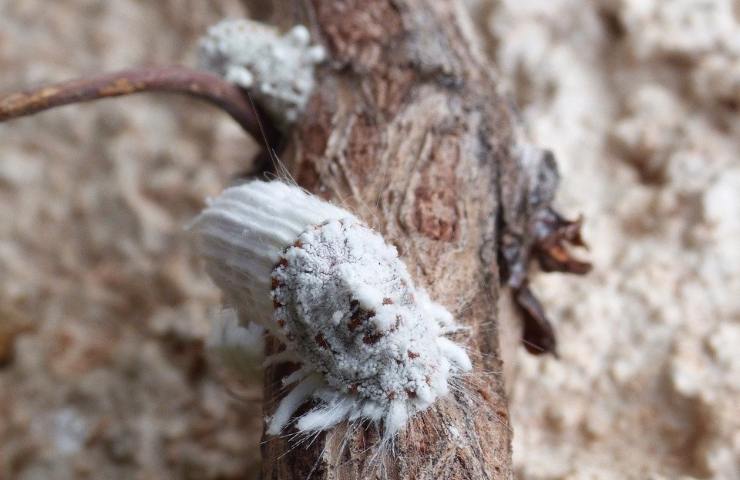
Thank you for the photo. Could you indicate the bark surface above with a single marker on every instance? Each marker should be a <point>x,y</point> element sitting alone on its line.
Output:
<point>407,130</point>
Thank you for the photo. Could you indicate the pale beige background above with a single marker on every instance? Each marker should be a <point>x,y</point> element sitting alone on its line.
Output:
<point>638,98</point>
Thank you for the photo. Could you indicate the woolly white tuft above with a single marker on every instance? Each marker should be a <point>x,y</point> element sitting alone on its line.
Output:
<point>371,345</point>
<point>278,70</point>
<point>239,348</point>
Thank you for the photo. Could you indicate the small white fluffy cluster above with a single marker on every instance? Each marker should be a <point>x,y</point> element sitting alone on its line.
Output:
<point>278,70</point>
<point>371,346</point>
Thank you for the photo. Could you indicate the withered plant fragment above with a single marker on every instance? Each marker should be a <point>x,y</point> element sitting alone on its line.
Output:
<point>169,79</point>
<point>533,230</point>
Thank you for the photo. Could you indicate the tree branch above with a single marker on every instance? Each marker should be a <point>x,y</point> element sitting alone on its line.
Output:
<point>172,79</point>
<point>405,129</point>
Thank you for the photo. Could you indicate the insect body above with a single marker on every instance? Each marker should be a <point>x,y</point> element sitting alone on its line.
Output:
<point>371,345</point>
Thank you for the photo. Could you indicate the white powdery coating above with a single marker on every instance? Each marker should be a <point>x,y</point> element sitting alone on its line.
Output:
<point>278,70</point>
<point>242,233</point>
<point>348,306</point>
<point>371,346</point>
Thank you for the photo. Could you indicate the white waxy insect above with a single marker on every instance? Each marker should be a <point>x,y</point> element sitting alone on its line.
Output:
<point>278,69</point>
<point>370,344</point>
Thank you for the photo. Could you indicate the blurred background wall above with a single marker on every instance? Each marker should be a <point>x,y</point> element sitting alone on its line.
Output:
<point>104,310</point>
<point>640,100</point>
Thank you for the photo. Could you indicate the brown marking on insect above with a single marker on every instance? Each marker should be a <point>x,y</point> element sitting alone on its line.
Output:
<point>387,301</point>
<point>280,322</point>
<point>298,244</point>
<point>412,355</point>
<point>391,395</point>
<point>372,338</point>
<point>275,283</point>
<point>282,263</point>
<point>276,304</point>
<point>353,389</point>
<point>359,316</point>
<point>411,393</point>
<point>321,341</point>
<point>354,322</point>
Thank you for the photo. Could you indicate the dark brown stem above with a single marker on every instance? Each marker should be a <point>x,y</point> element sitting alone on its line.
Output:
<point>172,79</point>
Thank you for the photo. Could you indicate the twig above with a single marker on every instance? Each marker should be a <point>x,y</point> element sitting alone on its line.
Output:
<point>172,79</point>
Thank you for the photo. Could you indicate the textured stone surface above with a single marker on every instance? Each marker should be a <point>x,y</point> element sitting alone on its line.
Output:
<point>638,99</point>
<point>112,382</point>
